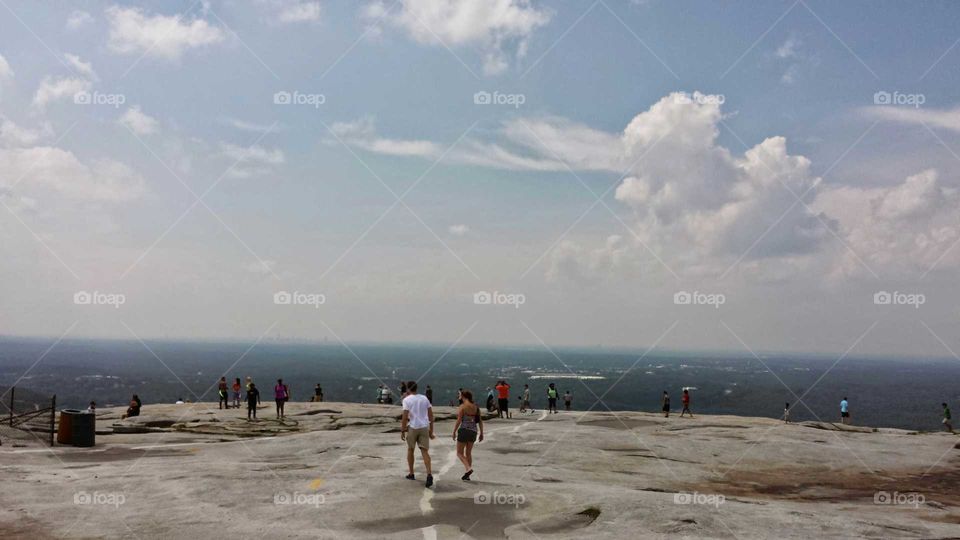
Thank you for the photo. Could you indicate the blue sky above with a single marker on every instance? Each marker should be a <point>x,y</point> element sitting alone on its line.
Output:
<point>731,149</point>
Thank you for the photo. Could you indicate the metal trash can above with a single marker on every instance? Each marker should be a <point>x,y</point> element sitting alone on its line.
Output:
<point>84,429</point>
<point>65,428</point>
<point>77,427</point>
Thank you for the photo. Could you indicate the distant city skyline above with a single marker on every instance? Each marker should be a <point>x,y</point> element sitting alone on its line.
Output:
<point>625,174</point>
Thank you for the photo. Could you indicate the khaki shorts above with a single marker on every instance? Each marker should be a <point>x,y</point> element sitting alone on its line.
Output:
<point>418,437</point>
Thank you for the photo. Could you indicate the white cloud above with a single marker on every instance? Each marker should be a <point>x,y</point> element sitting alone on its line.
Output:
<point>788,49</point>
<point>243,125</point>
<point>942,118</point>
<point>138,121</point>
<point>132,31</point>
<point>80,67</point>
<point>56,89</point>
<point>45,168</point>
<point>251,161</point>
<point>492,25</point>
<point>901,230</point>
<point>293,11</point>
<point>458,229</point>
<point>78,19</point>
<point>13,135</point>
<point>6,72</point>
<point>362,133</point>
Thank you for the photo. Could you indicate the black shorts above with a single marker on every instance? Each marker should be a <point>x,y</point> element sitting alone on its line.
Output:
<point>504,404</point>
<point>666,407</point>
<point>466,435</point>
<point>845,415</point>
<point>552,402</point>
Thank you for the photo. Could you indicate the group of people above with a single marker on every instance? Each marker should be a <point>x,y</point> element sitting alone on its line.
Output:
<point>385,395</point>
<point>684,399</point>
<point>498,399</point>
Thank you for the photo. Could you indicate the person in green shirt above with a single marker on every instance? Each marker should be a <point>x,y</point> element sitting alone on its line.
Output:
<point>552,398</point>
<point>946,418</point>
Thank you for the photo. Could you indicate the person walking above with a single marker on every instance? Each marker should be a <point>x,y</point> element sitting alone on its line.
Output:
<point>552,398</point>
<point>946,418</point>
<point>236,392</point>
<point>685,399</point>
<point>280,395</point>
<point>417,419</point>
<point>429,393</point>
<point>568,400</point>
<point>223,393</point>
<point>467,431</point>
<point>503,399</point>
<point>844,411</point>
<point>253,399</point>
<point>665,404</point>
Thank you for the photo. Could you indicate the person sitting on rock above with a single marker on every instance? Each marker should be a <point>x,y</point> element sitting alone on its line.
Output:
<point>134,408</point>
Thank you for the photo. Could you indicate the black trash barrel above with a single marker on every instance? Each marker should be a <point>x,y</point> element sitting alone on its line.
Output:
<point>84,429</point>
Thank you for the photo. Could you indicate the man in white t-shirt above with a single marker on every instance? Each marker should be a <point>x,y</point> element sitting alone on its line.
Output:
<point>417,419</point>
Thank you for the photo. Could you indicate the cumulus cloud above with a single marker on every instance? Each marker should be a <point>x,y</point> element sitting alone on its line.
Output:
<point>78,19</point>
<point>495,26</point>
<point>58,171</point>
<point>12,134</point>
<point>138,121</point>
<point>52,89</point>
<point>133,31</point>
<point>80,67</point>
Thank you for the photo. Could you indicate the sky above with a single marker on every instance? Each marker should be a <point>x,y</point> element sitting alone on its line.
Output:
<point>706,176</point>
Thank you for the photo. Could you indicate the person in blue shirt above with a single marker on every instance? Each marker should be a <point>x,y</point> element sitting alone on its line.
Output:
<point>844,411</point>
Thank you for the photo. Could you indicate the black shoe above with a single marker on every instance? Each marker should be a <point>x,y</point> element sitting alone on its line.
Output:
<point>466,475</point>
<point>429,480</point>
<point>411,477</point>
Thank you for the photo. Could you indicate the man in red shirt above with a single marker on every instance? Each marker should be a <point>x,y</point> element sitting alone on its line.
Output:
<point>503,399</point>
<point>686,403</point>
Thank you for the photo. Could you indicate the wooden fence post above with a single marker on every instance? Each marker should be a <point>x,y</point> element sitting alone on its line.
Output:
<point>53,417</point>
